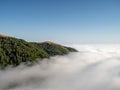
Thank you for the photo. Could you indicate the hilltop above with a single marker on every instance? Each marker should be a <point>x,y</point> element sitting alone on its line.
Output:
<point>15,51</point>
<point>53,49</point>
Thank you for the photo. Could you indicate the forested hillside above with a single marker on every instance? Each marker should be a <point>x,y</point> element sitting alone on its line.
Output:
<point>14,51</point>
<point>54,49</point>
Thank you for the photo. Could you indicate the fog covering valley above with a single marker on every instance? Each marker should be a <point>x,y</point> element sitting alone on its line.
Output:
<point>94,67</point>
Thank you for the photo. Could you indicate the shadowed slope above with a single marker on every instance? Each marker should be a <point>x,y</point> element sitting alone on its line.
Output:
<point>53,48</point>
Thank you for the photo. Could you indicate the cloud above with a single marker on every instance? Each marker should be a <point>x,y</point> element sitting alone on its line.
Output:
<point>94,67</point>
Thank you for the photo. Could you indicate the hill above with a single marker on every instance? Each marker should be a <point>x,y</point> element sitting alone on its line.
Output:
<point>54,49</point>
<point>14,51</point>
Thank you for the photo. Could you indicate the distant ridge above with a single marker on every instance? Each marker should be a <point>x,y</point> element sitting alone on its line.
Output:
<point>54,49</point>
<point>49,42</point>
<point>15,51</point>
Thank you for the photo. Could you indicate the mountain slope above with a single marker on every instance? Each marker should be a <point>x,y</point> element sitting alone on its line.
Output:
<point>14,51</point>
<point>53,48</point>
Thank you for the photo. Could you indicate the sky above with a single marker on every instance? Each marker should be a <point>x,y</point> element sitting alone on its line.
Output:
<point>62,21</point>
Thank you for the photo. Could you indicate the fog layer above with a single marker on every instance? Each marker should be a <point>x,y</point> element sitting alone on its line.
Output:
<point>94,67</point>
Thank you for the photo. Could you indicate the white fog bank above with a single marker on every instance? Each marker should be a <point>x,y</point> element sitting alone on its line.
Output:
<point>94,67</point>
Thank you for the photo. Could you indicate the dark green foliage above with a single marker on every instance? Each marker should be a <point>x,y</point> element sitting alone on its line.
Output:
<point>71,49</point>
<point>15,51</point>
<point>54,49</point>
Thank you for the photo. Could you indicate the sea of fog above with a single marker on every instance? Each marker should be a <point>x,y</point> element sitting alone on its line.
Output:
<point>94,67</point>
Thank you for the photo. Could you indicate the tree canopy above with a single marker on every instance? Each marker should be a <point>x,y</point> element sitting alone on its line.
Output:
<point>14,51</point>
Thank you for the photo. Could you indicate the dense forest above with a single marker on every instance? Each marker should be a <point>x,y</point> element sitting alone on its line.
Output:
<point>53,49</point>
<point>14,51</point>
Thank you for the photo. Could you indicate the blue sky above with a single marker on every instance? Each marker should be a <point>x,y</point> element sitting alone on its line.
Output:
<point>62,21</point>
